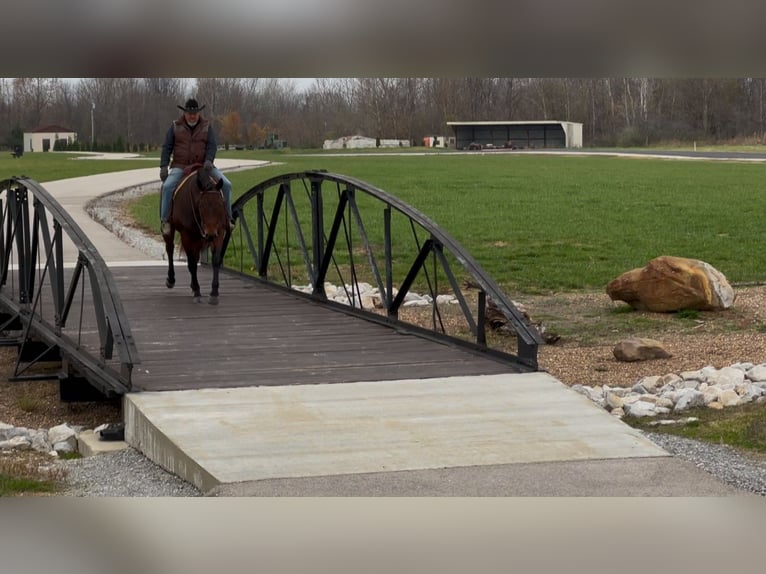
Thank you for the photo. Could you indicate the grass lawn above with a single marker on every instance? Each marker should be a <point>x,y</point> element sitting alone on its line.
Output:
<point>536,224</point>
<point>549,223</point>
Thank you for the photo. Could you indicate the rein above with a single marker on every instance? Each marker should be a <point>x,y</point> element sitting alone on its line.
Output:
<point>195,195</point>
<point>195,207</point>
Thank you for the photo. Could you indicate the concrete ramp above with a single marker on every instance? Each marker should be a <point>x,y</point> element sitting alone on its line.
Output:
<point>215,437</point>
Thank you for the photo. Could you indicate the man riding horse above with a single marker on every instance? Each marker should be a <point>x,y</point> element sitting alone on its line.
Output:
<point>189,140</point>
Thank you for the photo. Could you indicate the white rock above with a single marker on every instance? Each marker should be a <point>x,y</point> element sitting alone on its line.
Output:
<point>729,398</point>
<point>64,446</point>
<point>689,398</point>
<point>363,287</point>
<point>725,376</point>
<point>650,383</point>
<point>20,442</point>
<point>639,388</point>
<point>753,392</point>
<point>640,409</point>
<point>416,303</point>
<point>669,379</point>
<point>744,367</point>
<point>61,433</point>
<point>410,296</point>
<point>39,440</point>
<point>7,431</point>
<point>632,398</point>
<point>613,401</point>
<point>757,373</point>
<point>697,375</point>
<point>578,388</point>
<point>711,394</point>
<point>664,403</point>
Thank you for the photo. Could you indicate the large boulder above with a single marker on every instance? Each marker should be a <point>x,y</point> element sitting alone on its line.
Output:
<point>668,284</point>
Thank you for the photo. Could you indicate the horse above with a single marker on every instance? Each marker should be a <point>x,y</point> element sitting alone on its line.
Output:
<point>198,213</point>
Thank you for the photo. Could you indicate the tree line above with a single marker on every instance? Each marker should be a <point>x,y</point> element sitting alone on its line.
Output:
<point>133,114</point>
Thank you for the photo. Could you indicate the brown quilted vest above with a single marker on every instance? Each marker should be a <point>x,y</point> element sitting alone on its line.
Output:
<point>190,144</point>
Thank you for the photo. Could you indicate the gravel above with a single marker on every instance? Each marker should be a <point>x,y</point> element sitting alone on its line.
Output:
<point>129,473</point>
<point>722,461</point>
<point>124,472</point>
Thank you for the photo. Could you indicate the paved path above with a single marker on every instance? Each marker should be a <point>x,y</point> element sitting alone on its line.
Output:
<point>501,435</point>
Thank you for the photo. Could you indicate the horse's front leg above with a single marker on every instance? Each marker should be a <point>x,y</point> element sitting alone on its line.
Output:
<point>213,298</point>
<point>191,263</point>
<point>170,280</point>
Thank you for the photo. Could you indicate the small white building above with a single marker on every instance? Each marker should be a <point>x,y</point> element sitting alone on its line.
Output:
<point>394,143</point>
<point>45,138</point>
<point>362,142</point>
<point>349,142</point>
<point>439,141</point>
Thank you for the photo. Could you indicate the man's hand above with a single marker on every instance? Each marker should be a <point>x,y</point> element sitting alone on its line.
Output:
<point>164,173</point>
<point>208,165</point>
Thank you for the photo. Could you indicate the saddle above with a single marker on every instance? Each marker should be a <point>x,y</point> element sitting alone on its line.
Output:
<point>189,171</point>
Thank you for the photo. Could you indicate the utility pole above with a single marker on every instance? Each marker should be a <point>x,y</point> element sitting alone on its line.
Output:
<point>92,125</point>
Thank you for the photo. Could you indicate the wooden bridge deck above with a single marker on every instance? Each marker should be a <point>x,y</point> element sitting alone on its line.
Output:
<point>261,336</point>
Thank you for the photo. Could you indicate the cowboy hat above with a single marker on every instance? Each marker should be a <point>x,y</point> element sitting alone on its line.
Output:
<point>191,106</point>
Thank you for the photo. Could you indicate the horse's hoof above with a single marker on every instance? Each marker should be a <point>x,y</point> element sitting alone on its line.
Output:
<point>213,299</point>
<point>169,284</point>
<point>197,299</point>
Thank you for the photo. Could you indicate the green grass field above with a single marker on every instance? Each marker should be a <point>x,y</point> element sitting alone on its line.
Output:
<point>44,167</point>
<point>540,223</point>
<point>535,223</point>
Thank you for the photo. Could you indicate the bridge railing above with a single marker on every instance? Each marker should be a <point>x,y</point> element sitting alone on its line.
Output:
<point>346,243</point>
<point>58,299</point>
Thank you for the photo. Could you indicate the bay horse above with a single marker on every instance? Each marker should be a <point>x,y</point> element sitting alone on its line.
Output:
<point>198,213</point>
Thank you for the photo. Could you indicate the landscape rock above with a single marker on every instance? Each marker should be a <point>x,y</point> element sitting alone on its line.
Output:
<point>667,284</point>
<point>639,349</point>
<point>646,398</point>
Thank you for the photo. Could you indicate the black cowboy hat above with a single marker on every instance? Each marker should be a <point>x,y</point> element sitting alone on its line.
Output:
<point>191,106</point>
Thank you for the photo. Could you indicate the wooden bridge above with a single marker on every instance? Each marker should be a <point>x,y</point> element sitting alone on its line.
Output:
<point>62,298</point>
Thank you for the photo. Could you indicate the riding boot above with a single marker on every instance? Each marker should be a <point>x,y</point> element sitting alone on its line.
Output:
<point>166,231</point>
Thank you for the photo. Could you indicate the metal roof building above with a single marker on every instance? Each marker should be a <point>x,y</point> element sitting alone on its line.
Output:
<point>516,134</point>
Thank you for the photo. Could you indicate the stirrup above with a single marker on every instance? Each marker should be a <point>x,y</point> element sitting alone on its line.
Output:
<point>232,223</point>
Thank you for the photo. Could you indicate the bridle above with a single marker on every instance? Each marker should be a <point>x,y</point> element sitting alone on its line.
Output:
<point>195,205</point>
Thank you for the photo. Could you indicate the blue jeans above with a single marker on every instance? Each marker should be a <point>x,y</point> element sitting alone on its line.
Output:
<point>174,178</point>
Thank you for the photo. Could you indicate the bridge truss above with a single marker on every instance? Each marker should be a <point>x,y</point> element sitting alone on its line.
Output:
<point>58,301</point>
<point>381,258</point>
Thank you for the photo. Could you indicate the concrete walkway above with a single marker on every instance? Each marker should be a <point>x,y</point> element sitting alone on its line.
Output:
<point>501,435</point>
<point>75,193</point>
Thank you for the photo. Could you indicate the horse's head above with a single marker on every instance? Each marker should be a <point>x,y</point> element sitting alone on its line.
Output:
<point>213,219</point>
